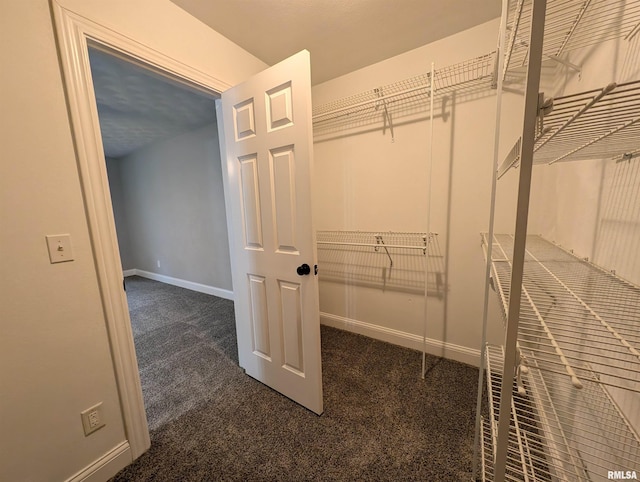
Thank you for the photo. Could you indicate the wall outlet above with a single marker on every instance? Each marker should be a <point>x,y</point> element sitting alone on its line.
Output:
<point>92,419</point>
<point>158,263</point>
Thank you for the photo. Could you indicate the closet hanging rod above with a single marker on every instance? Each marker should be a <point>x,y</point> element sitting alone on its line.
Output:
<point>371,245</point>
<point>370,101</point>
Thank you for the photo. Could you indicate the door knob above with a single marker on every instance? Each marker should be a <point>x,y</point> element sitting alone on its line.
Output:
<point>303,269</point>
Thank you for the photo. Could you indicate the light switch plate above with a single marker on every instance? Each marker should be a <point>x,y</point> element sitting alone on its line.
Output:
<point>59,248</point>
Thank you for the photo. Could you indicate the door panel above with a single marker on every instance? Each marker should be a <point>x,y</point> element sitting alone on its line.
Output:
<point>283,188</point>
<point>250,202</point>
<point>259,316</point>
<point>267,175</point>
<point>291,327</point>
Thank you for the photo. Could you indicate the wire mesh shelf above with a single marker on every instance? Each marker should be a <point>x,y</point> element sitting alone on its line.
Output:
<point>382,259</point>
<point>569,25</point>
<point>596,124</point>
<point>577,319</point>
<point>557,433</point>
<point>486,453</point>
<point>526,458</point>
<point>386,103</point>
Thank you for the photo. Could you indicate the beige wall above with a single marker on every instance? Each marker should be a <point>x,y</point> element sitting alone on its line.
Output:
<point>54,352</point>
<point>363,181</point>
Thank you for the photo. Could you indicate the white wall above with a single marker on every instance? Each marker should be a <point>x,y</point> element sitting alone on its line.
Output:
<point>116,189</point>
<point>54,351</point>
<point>175,212</point>
<point>363,181</point>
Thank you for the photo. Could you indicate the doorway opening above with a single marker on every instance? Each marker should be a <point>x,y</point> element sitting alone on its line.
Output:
<point>162,155</point>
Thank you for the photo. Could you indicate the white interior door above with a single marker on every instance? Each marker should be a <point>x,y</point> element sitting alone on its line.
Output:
<point>267,175</point>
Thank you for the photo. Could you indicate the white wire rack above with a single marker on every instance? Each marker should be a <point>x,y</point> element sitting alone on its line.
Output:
<point>596,124</point>
<point>578,319</point>
<point>578,343</point>
<point>386,103</point>
<point>486,454</point>
<point>572,329</point>
<point>526,457</point>
<point>386,260</point>
<point>570,24</point>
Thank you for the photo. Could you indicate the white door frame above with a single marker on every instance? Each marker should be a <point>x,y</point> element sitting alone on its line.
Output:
<point>74,34</point>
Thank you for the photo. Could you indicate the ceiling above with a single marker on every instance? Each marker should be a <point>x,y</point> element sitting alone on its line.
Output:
<point>137,106</point>
<point>342,35</point>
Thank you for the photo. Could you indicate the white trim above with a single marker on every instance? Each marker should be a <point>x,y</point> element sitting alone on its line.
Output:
<point>73,34</point>
<point>450,351</point>
<point>190,285</point>
<point>106,466</point>
<point>130,272</point>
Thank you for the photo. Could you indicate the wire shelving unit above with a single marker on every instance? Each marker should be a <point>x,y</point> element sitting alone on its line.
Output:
<point>597,124</point>
<point>386,103</point>
<point>382,259</point>
<point>409,262</point>
<point>569,25</point>
<point>571,352</point>
<point>577,320</point>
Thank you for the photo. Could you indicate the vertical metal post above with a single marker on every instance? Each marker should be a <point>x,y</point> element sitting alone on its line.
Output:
<point>494,178</point>
<point>522,215</point>
<point>426,261</point>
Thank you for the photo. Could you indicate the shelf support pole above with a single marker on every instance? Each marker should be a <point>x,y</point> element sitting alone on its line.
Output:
<point>432,91</point>
<point>500,56</point>
<point>524,189</point>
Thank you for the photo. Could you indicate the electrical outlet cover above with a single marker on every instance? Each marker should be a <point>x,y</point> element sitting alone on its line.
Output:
<point>92,419</point>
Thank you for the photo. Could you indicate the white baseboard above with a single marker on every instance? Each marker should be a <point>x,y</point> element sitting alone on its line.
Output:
<point>408,340</point>
<point>190,285</point>
<point>106,466</point>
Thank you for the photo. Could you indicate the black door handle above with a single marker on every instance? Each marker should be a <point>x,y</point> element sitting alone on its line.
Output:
<point>303,269</point>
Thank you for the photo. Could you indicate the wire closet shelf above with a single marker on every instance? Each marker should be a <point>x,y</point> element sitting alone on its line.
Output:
<point>569,25</point>
<point>383,259</point>
<point>576,406</point>
<point>403,97</point>
<point>596,124</point>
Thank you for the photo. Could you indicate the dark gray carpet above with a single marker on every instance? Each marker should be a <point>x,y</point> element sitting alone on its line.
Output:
<point>210,421</point>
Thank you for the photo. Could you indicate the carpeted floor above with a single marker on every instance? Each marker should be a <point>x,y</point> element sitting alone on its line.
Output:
<point>209,421</point>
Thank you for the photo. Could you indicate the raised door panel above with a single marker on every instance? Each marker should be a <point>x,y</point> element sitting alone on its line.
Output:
<point>267,169</point>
